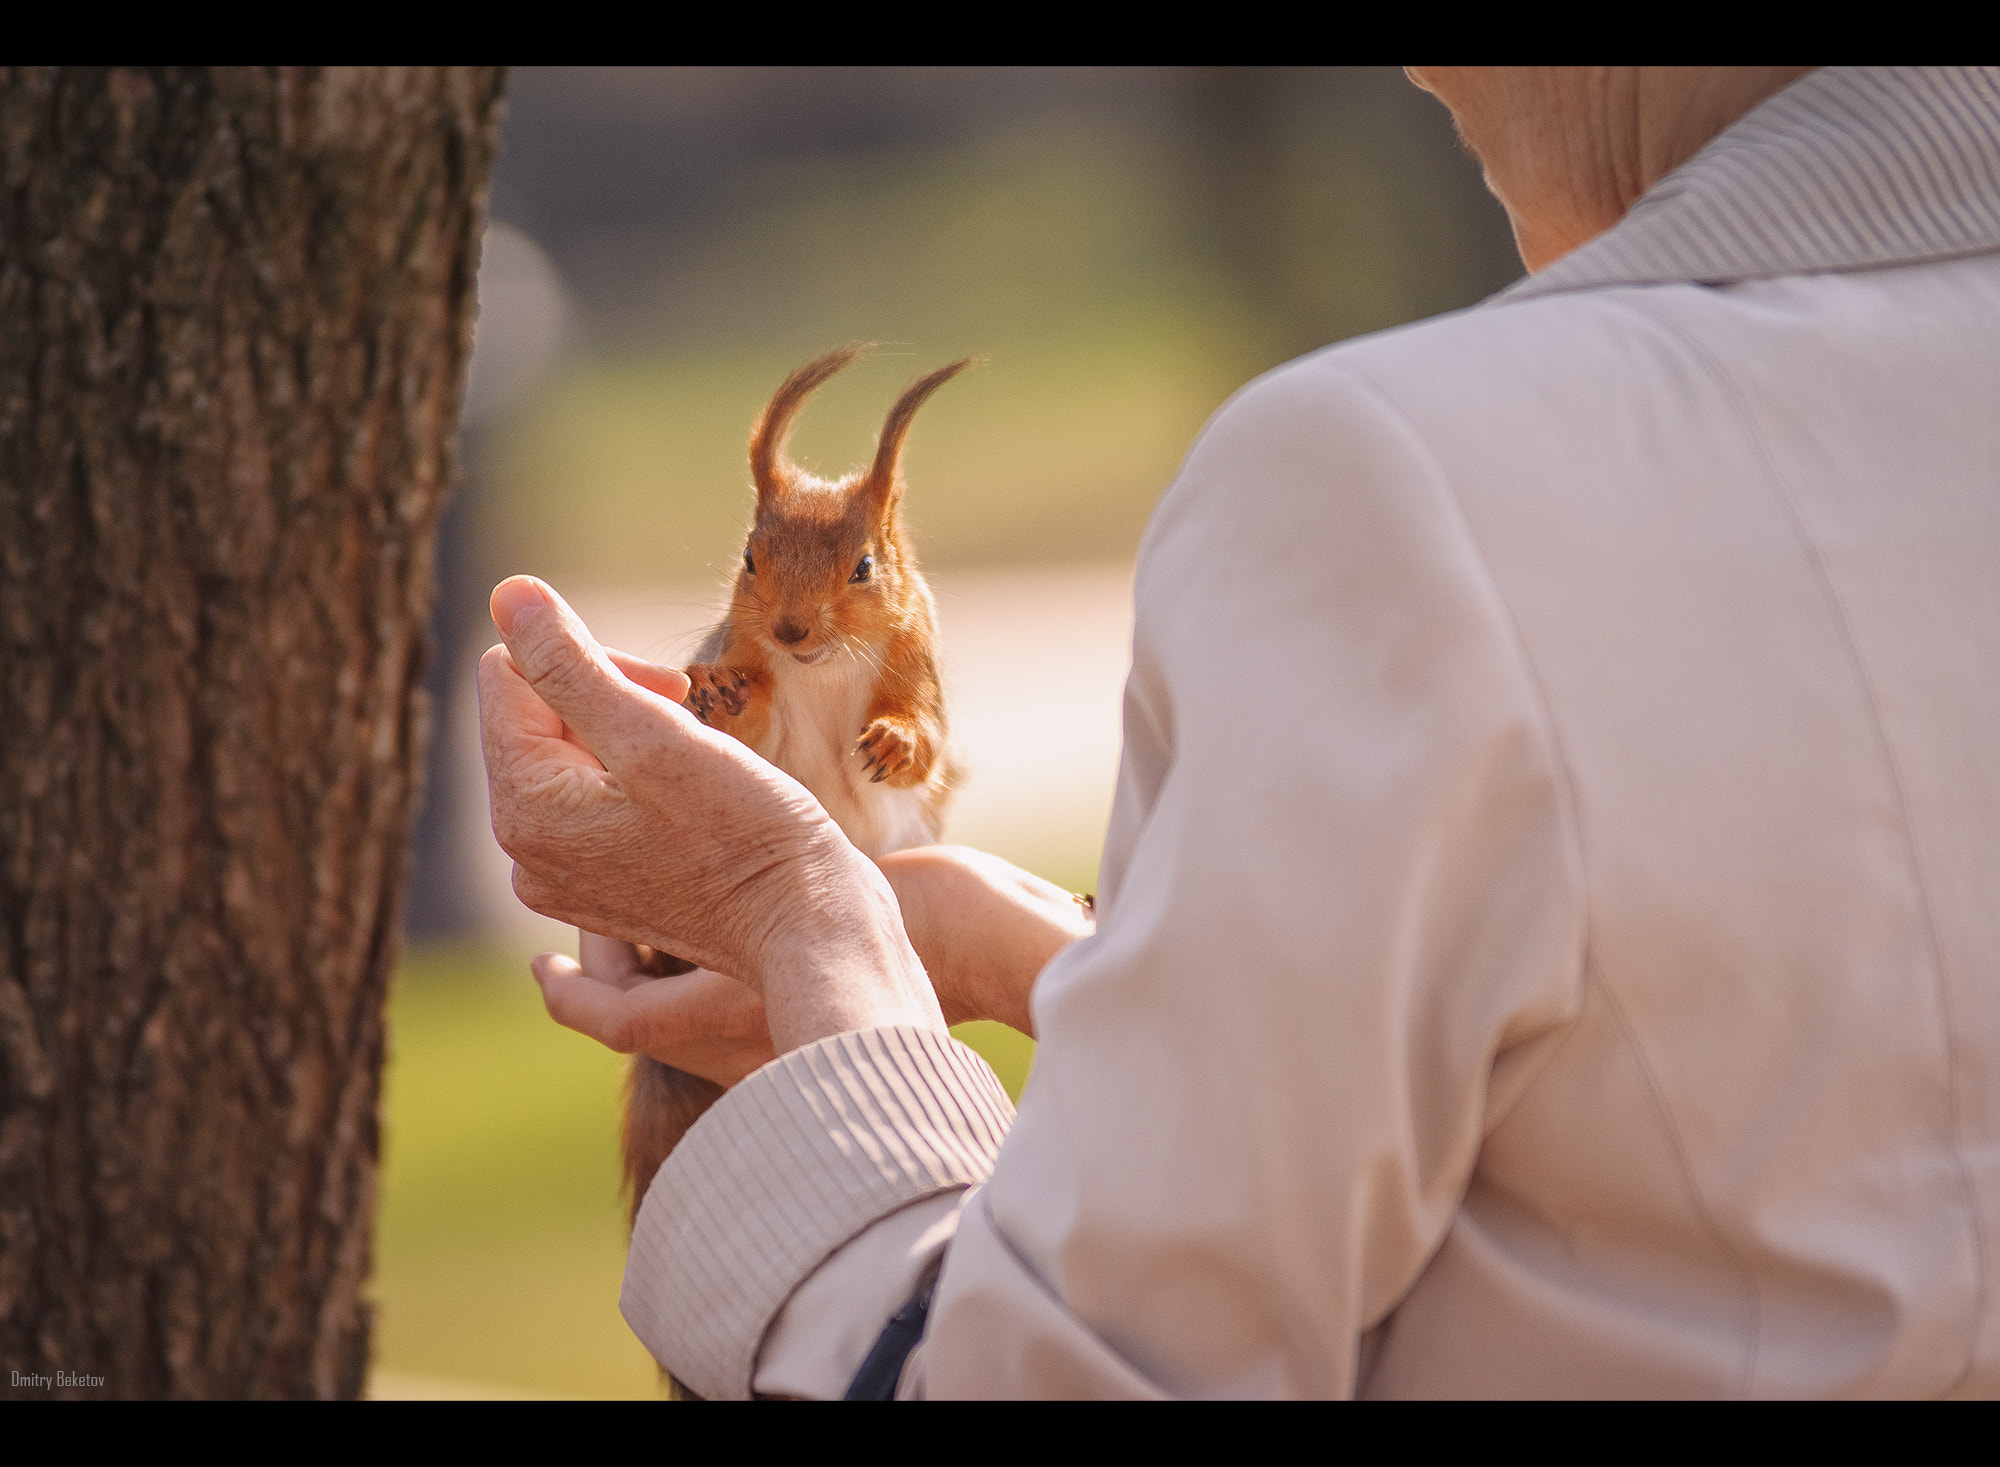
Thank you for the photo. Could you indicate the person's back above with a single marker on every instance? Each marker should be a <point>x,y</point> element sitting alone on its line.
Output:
<point>1747,535</point>
<point>1612,829</point>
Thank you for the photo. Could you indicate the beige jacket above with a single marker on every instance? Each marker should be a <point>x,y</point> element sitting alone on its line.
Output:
<point>1550,925</point>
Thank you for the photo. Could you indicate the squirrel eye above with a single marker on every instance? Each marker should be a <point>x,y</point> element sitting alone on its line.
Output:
<point>749,564</point>
<point>863,570</point>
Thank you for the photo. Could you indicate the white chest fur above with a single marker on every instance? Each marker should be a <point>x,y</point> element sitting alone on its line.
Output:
<point>816,717</point>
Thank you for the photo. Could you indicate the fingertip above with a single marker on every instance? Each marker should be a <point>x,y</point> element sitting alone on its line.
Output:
<point>551,967</point>
<point>669,682</point>
<point>558,658</point>
<point>496,659</point>
<point>556,976</point>
<point>577,1003</point>
<point>517,601</point>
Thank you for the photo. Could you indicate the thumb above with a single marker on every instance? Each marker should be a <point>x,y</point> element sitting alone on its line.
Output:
<point>566,666</point>
<point>577,1001</point>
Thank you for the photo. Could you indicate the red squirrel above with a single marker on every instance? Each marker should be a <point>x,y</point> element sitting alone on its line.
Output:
<point>826,664</point>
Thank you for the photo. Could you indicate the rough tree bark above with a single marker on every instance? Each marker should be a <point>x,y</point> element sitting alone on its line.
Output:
<point>234,314</point>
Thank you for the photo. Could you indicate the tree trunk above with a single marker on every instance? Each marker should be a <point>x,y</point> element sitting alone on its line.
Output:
<point>234,314</point>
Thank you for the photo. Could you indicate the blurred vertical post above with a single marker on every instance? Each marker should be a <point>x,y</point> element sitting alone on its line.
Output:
<point>234,314</point>
<point>524,326</point>
<point>1339,199</point>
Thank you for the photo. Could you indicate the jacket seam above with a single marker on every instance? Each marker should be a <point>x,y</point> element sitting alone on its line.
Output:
<point>1565,783</point>
<point>1586,976</point>
<point>1954,1116</point>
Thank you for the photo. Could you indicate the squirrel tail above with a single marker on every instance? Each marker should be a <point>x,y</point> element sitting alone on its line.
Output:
<point>660,1104</point>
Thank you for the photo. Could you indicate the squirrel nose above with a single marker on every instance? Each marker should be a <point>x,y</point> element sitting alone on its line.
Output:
<point>789,631</point>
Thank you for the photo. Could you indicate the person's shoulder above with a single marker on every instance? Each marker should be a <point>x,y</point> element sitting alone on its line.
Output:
<point>1372,401</point>
<point>1468,391</point>
<point>1367,442</point>
<point>1503,350</point>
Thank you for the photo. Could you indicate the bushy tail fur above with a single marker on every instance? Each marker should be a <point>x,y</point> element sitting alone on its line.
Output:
<point>660,1104</point>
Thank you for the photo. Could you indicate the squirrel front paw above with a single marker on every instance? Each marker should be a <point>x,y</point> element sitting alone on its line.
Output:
<point>712,687</point>
<point>889,748</point>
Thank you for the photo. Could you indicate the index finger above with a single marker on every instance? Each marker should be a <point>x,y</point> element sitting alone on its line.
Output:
<point>669,682</point>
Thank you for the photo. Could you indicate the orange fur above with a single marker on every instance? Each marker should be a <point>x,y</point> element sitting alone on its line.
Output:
<point>831,675</point>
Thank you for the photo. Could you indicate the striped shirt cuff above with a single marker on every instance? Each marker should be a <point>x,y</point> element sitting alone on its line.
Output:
<point>785,1168</point>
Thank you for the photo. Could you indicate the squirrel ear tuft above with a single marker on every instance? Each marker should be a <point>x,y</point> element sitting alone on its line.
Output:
<point>770,470</point>
<point>885,474</point>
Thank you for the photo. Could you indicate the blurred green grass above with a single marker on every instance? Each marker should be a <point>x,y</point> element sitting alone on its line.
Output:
<point>500,1238</point>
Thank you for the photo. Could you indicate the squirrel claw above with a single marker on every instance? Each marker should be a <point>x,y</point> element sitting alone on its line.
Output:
<point>886,750</point>
<point>712,687</point>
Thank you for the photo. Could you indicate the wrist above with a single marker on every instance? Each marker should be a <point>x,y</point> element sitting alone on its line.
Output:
<point>845,965</point>
<point>984,928</point>
<point>818,997</point>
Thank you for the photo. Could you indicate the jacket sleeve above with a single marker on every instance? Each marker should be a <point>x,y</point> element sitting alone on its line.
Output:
<point>1341,883</point>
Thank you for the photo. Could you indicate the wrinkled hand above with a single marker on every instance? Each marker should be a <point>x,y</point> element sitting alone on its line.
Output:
<point>626,816</point>
<point>984,929</point>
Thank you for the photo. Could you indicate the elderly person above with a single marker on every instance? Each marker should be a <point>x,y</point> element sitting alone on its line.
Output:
<point>1549,941</point>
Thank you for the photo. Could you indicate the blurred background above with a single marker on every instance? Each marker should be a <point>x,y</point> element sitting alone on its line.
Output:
<point>1126,247</point>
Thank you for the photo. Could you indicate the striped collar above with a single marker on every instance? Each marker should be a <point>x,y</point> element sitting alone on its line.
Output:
<point>1846,168</point>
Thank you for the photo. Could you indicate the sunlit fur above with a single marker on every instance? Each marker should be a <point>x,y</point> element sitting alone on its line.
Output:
<point>834,681</point>
<point>839,679</point>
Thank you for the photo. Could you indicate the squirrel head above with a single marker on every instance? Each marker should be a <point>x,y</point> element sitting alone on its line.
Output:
<point>826,566</point>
